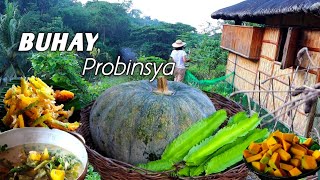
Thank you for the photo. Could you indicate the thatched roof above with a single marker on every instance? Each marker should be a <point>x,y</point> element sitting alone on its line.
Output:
<point>255,10</point>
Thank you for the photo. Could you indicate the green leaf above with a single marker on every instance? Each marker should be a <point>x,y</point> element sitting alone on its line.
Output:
<point>315,146</point>
<point>3,147</point>
<point>91,174</point>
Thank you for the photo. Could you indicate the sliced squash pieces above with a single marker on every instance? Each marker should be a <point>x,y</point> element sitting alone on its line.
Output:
<point>295,172</point>
<point>258,166</point>
<point>283,155</point>
<point>308,142</point>
<point>254,148</point>
<point>288,137</point>
<point>246,153</point>
<point>286,167</point>
<point>254,158</point>
<point>316,155</point>
<point>296,149</point>
<point>308,162</point>
<point>295,162</point>
<point>274,162</point>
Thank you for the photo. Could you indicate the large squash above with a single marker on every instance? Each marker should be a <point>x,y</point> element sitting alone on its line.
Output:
<point>133,122</point>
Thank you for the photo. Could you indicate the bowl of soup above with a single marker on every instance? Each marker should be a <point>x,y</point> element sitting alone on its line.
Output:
<point>42,153</point>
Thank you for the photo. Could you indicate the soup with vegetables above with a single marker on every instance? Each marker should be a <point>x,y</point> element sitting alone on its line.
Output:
<point>38,161</point>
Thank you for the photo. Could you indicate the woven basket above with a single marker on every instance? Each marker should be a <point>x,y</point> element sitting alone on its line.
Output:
<point>113,169</point>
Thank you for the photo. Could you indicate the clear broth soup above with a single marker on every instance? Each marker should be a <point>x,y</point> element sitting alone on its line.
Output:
<point>30,161</point>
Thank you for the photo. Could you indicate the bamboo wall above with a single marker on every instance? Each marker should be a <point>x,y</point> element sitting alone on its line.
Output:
<point>249,73</point>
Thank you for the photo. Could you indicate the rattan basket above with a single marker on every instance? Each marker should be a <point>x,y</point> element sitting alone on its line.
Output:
<point>113,169</point>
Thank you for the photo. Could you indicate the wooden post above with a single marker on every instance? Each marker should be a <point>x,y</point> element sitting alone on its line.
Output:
<point>310,118</point>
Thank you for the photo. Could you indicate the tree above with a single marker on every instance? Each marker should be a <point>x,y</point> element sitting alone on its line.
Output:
<point>9,25</point>
<point>156,40</point>
<point>2,7</point>
<point>109,20</point>
<point>31,22</point>
<point>207,58</point>
<point>72,15</point>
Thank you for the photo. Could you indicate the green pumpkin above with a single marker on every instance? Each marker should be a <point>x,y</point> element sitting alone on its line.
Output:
<point>133,122</point>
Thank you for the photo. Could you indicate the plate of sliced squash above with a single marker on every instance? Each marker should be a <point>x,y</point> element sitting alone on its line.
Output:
<point>30,102</point>
<point>283,156</point>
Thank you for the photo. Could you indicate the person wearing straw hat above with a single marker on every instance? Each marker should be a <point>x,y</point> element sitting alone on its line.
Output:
<point>179,56</point>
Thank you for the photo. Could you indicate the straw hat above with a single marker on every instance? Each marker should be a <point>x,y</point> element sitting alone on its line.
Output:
<point>178,44</point>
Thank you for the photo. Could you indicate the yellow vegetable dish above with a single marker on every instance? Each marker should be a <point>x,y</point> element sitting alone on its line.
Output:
<point>283,155</point>
<point>39,162</point>
<point>33,104</point>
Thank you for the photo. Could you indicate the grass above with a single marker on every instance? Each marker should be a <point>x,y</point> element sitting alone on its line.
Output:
<point>92,174</point>
<point>104,83</point>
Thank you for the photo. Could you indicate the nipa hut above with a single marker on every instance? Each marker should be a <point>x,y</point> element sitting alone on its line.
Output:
<point>256,54</point>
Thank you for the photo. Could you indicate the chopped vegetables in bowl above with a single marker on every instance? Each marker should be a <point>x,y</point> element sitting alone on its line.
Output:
<point>42,153</point>
<point>39,161</point>
<point>283,156</point>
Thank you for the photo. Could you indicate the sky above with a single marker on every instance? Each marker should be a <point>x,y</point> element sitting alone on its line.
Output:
<point>193,12</point>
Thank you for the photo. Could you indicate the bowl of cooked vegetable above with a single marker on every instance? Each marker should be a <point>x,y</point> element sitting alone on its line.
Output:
<point>42,153</point>
<point>283,156</point>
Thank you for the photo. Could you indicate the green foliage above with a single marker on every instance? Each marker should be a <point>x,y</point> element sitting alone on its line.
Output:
<point>208,62</point>
<point>108,19</point>
<point>252,24</point>
<point>11,63</point>
<point>156,40</point>
<point>149,59</point>
<point>207,58</point>
<point>223,88</point>
<point>3,147</point>
<point>118,26</point>
<point>96,88</point>
<point>55,25</point>
<point>91,174</point>
<point>63,69</point>
<point>31,22</point>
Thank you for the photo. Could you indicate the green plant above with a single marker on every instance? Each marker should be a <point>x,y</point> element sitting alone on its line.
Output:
<point>223,88</point>
<point>10,64</point>
<point>63,69</point>
<point>149,59</point>
<point>91,174</point>
<point>99,86</point>
<point>207,58</point>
